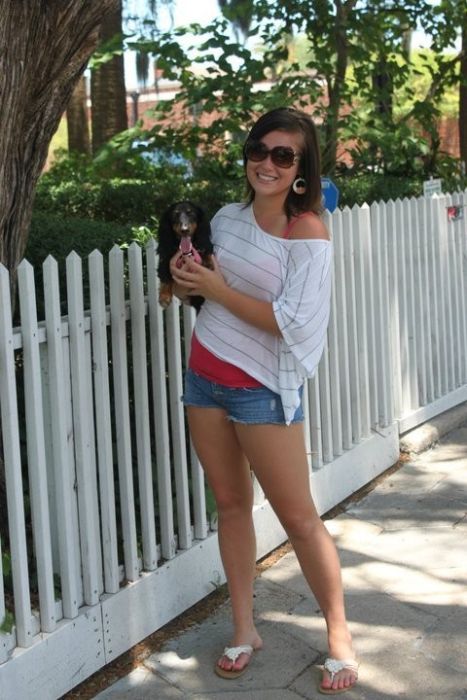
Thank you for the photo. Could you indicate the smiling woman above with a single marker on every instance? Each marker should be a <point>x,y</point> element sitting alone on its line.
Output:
<point>260,333</point>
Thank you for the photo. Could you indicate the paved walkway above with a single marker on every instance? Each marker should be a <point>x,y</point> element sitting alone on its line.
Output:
<point>404,558</point>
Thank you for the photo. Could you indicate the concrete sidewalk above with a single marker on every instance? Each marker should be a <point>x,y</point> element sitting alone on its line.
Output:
<point>403,549</point>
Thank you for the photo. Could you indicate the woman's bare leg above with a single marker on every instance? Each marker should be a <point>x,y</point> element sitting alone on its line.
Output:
<point>228,474</point>
<point>280,463</point>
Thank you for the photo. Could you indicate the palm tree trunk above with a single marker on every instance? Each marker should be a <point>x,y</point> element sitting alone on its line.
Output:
<point>335,85</point>
<point>108,94</point>
<point>77,120</point>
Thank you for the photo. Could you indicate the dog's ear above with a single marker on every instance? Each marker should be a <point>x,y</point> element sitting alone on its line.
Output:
<point>203,235</point>
<point>164,225</point>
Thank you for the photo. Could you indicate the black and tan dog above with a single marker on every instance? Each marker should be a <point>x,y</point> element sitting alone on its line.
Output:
<point>183,226</point>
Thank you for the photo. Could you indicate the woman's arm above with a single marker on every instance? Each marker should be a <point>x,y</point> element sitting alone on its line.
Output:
<point>210,284</point>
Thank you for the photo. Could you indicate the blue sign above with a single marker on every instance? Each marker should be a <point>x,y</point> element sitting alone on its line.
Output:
<point>330,194</point>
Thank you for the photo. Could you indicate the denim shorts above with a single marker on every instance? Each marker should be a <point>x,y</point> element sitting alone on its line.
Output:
<point>243,405</point>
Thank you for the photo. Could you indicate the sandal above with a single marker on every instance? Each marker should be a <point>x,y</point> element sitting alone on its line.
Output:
<point>233,653</point>
<point>333,666</point>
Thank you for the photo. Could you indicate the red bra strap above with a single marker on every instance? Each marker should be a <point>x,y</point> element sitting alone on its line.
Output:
<point>292,223</point>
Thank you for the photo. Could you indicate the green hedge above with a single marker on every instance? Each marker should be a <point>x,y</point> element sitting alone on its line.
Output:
<point>139,202</point>
<point>130,201</point>
<point>359,189</point>
<point>123,201</point>
<point>57,236</point>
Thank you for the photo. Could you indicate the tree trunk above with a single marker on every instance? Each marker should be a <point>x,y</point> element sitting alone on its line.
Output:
<point>44,48</point>
<point>77,120</point>
<point>108,94</point>
<point>463,95</point>
<point>335,85</point>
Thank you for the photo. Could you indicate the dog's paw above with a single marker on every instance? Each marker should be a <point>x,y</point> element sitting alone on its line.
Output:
<point>208,261</point>
<point>164,300</point>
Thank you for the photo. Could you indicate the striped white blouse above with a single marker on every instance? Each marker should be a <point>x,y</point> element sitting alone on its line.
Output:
<point>295,276</point>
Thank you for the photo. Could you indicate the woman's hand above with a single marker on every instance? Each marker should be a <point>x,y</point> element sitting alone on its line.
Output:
<point>193,278</point>
<point>180,292</point>
<point>197,279</point>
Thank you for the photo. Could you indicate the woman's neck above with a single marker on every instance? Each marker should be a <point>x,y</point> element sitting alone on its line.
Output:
<point>270,216</point>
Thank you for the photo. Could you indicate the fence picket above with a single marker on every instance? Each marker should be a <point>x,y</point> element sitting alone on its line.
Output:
<point>360,235</point>
<point>417,312</point>
<point>333,346</point>
<point>62,451</point>
<point>122,412</point>
<point>161,421</point>
<point>452,283</point>
<point>13,473</point>
<point>325,404</point>
<point>100,364</point>
<point>451,309</point>
<point>36,446</point>
<point>426,262</point>
<point>391,224</point>
<point>462,251</point>
<point>460,263</point>
<point>379,259</point>
<point>400,234</point>
<point>91,555</point>
<point>342,332</point>
<point>141,407</point>
<point>174,354</point>
<point>200,528</point>
<point>439,204</point>
<point>435,297</point>
<point>369,299</point>
<point>352,330</point>
<point>315,423</point>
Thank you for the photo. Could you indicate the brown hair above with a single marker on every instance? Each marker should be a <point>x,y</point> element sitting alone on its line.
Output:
<point>309,168</point>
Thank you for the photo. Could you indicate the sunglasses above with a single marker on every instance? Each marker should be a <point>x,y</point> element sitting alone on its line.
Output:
<point>282,156</point>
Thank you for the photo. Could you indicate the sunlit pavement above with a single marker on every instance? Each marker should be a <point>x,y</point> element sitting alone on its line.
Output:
<point>403,550</point>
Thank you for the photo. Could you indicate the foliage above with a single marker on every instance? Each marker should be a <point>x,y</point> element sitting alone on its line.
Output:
<point>360,188</point>
<point>121,185</point>
<point>8,622</point>
<point>402,150</point>
<point>348,63</point>
<point>351,67</point>
<point>59,236</point>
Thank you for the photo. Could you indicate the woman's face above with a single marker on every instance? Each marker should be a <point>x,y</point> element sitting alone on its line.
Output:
<point>267,178</point>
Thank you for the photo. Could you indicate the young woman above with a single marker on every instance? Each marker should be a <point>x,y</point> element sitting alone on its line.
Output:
<point>259,335</point>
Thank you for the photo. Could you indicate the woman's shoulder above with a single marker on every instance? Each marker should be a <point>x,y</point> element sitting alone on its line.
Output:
<point>230,217</point>
<point>229,210</point>
<point>309,226</point>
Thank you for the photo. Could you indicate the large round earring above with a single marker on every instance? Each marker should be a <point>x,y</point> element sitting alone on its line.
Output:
<point>299,186</point>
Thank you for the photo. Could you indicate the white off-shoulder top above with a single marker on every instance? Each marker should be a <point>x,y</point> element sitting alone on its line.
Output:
<point>295,276</point>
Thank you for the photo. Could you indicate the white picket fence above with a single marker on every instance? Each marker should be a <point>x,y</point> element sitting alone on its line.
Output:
<point>108,530</point>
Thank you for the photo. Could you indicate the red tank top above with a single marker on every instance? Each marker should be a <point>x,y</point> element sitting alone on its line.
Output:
<point>204,363</point>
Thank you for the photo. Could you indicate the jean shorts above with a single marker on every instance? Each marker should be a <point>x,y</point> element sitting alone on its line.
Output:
<point>243,405</point>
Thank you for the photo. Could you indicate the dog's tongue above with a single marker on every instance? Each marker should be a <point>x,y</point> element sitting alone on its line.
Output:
<point>185,245</point>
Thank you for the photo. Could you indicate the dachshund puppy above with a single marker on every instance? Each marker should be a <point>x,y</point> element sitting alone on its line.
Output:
<point>183,226</point>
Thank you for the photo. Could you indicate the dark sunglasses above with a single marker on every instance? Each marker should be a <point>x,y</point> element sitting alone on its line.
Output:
<point>282,156</point>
